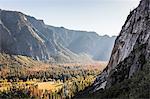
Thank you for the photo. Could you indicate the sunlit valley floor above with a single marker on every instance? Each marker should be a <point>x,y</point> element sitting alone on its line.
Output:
<point>46,62</point>
<point>24,77</point>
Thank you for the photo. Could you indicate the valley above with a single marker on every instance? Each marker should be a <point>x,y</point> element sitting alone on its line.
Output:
<point>41,61</point>
<point>37,79</point>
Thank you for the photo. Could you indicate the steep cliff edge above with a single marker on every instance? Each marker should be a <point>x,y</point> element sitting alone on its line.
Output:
<point>128,72</point>
<point>133,41</point>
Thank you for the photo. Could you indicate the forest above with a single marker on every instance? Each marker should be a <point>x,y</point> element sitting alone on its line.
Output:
<point>21,79</point>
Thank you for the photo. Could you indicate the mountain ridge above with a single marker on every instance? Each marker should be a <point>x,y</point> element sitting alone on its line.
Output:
<point>42,42</point>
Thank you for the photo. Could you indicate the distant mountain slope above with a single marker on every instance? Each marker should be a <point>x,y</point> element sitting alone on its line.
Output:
<point>25,35</point>
<point>127,75</point>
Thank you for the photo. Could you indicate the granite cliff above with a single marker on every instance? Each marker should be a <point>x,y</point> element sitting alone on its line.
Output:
<point>132,45</point>
<point>128,73</point>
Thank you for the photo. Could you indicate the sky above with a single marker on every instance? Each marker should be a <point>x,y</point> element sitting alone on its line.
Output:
<point>101,16</point>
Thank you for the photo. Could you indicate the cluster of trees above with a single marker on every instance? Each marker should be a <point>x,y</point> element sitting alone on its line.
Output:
<point>77,84</point>
<point>74,78</point>
<point>15,94</point>
<point>70,88</point>
<point>136,87</point>
<point>56,72</point>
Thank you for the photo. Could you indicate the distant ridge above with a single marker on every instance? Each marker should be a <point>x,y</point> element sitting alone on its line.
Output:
<point>25,35</point>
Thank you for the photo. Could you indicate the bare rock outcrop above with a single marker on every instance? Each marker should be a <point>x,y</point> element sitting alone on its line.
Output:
<point>131,50</point>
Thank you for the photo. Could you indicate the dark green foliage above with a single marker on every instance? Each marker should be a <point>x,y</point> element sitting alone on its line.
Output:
<point>15,94</point>
<point>136,87</point>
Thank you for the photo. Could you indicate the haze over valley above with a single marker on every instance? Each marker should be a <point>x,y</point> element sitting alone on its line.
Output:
<point>42,61</point>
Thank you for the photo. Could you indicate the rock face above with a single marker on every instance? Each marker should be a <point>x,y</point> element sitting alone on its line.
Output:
<point>24,35</point>
<point>131,50</point>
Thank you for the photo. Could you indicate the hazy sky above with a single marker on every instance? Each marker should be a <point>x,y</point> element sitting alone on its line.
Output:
<point>101,16</point>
